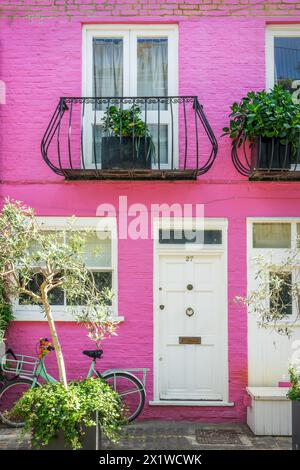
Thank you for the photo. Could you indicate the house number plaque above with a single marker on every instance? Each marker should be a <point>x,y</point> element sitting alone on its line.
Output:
<point>189,339</point>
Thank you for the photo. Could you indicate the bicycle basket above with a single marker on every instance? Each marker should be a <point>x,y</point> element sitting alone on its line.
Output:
<point>20,365</point>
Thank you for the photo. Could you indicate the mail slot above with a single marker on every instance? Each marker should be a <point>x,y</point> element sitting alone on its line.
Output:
<point>189,339</point>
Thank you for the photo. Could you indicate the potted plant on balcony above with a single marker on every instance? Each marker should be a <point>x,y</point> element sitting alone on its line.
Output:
<point>269,122</point>
<point>294,395</point>
<point>128,143</point>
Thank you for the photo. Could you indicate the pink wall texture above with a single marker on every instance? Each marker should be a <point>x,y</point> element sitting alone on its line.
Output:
<point>221,57</point>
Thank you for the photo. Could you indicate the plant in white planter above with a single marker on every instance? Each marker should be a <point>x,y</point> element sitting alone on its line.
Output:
<point>272,302</point>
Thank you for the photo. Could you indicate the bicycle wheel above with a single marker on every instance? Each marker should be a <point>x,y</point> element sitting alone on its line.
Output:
<point>131,390</point>
<point>9,395</point>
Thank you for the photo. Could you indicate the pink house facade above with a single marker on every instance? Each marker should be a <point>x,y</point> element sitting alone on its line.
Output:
<point>165,292</point>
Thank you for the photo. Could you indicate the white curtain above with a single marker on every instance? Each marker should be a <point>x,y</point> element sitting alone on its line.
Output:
<point>108,67</point>
<point>152,74</point>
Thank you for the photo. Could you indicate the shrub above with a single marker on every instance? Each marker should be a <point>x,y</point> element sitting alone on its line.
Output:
<point>51,408</point>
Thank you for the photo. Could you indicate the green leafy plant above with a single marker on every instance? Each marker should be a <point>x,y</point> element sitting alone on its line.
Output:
<point>125,122</point>
<point>118,122</point>
<point>265,114</point>
<point>34,264</point>
<point>294,391</point>
<point>277,291</point>
<point>51,408</point>
<point>6,314</point>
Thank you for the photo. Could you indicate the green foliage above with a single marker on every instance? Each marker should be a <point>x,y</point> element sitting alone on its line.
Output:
<point>58,260</point>
<point>294,391</point>
<point>6,314</point>
<point>51,408</point>
<point>125,122</point>
<point>277,292</point>
<point>265,114</point>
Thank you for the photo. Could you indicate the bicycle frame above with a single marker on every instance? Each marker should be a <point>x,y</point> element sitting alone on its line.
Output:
<point>41,373</point>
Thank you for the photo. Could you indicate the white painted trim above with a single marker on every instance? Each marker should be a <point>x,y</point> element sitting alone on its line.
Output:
<point>190,403</point>
<point>190,223</point>
<point>60,312</point>
<point>273,31</point>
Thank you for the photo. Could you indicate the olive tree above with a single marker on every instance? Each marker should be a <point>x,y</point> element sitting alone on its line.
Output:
<point>277,292</point>
<point>34,264</point>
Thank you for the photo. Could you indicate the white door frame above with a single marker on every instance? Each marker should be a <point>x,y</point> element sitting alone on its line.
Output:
<point>189,250</point>
<point>130,34</point>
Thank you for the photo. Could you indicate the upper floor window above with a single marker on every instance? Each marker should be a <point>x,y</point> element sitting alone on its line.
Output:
<point>131,61</point>
<point>283,58</point>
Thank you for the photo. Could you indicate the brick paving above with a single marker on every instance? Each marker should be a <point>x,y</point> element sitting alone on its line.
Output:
<point>162,435</point>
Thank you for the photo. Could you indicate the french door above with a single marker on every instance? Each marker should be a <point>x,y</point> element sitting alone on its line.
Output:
<point>132,61</point>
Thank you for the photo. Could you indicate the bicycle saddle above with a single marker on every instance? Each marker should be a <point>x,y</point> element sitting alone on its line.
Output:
<point>95,354</point>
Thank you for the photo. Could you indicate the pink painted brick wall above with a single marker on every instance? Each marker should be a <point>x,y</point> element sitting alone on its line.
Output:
<point>221,51</point>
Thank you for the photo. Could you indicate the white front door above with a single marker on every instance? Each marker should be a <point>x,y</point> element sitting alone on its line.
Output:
<point>190,323</point>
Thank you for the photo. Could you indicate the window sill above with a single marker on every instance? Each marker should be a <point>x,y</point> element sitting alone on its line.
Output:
<point>59,315</point>
<point>189,403</point>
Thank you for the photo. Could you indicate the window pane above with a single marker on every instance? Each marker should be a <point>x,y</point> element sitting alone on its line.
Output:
<point>271,235</point>
<point>98,250</point>
<point>162,140</point>
<point>97,148</point>
<point>103,279</point>
<point>181,237</point>
<point>56,296</point>
<point>107,67</point>
<point>287,61</point>
<point>152,68</point>
<point>281,300</point>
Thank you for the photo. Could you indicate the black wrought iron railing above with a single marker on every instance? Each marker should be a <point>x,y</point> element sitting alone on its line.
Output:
<point>129,138</point>
<point>268,159</point>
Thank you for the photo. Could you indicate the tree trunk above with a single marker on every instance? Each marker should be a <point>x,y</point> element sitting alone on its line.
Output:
<point>55,340</point>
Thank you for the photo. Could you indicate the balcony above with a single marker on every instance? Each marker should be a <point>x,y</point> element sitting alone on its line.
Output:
<point>132,138</point>
<point>267,160</point>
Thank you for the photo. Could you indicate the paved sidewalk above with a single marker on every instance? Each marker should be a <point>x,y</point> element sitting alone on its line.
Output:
<point>162,435</point>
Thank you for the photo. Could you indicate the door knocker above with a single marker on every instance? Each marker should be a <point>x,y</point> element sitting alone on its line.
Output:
<point>189,312</point>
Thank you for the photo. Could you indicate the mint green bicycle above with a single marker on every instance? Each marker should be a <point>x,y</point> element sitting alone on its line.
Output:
<point>28,371</point>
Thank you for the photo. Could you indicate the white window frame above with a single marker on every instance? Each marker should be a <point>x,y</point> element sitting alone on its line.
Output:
<point>130,33</point>
<point>277,254</point>
<point>61,312</point>
<point>271,33</point>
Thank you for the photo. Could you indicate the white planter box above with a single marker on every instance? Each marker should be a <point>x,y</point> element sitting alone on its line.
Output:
<point>270,411</point>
